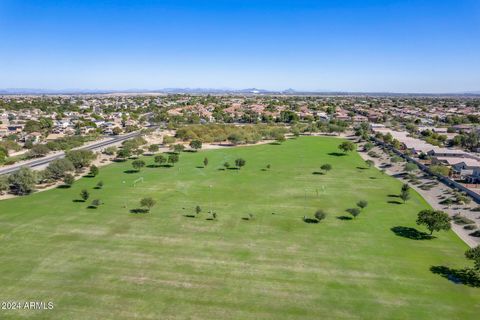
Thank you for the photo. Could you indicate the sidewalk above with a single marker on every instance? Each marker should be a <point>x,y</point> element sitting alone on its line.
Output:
<point>433,196</point>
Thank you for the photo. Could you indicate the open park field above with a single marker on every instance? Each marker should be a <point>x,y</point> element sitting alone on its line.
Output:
<point>109,263</point>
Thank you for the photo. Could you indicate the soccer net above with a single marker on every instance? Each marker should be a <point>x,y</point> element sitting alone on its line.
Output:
<point>137,181</point>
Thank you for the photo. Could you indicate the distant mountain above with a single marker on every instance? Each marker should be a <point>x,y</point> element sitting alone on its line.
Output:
<point>290,91</point>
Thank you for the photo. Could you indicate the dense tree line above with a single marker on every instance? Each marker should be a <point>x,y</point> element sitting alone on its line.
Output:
<point>234,134</point>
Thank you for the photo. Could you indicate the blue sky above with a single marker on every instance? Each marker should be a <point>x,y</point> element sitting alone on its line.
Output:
<point>368,45</point>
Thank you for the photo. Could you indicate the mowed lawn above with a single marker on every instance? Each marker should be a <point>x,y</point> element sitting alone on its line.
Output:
<point>108,263</point>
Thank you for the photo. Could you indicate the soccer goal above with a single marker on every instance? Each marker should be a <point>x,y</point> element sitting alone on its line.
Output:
<point>137,181</point>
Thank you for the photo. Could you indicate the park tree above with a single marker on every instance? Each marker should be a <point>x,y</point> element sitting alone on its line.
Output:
<point>362,204</point>
<point>69,179</point>
<point>57,169</point>
<point>474,255</point>
<point>80,158</point>
<point>22,181</point>
<point>404,195</point>
<point>347,146</point>
<point>205,162</point>
<point>96,203</point>
<point>84,194</point>
<point>4,184</point>
<point>110,151</point>
<point>235,138</point>
<point>116,131</point>
<point>226,165</point>
<point>173,158</point>
<point>177,148</point>
<point>99,185</point>
<point>124,153</point>
<point>3,154</point>
<point>354,212</point>
<point>369,163</point>
<point>279,137</point>
<point>160,159</point>
<point>434,220</point>
<point>240,163</point>
<point>326,167</point>
<point>153,148</point>
<point>196,144</point>
<point>138,164</point>
<point>198,209</point>
<point>38,150</point>
<point>94,170</point>
<point>320,215</point>
<point>148,203</point>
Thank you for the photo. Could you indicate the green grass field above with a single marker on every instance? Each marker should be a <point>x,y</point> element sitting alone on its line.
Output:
<point>108,263</point>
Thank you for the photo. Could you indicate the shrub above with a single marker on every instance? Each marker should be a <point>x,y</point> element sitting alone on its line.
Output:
<point>320,215</point>
<point>373,154</point>
<point>69,179</point>
<point>147,202</point>
<point>458,219</point>
<point>362,204</point>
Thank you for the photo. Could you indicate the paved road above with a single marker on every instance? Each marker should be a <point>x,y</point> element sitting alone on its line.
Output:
<point>45,160</point>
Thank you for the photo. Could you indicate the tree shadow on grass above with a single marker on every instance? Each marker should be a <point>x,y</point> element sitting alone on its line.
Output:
<point>318,172</point>
<point>465,276</point>
<point>394,202</point>
<point>275,143</point>
<point>189,216</point>
<point>411,233</point>
<point>131,171</point>
<point>362,168</point>
<point>200,167</point>
<point>78,200</point>
<point>64,186</point>
<point>310,220</point>
<point>153,166</point>
<point>337,154</point>
<point>92,207</point>
<point>393,196</point>
<point>139,210</point>
<point>344,218</point>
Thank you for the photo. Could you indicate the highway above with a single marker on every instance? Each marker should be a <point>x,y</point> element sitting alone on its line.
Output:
<point>47,159</point>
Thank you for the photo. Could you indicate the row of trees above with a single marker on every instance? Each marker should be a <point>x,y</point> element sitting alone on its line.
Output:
<point>24,180</point>
<point>234,134</point>
<point>239,163</point>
